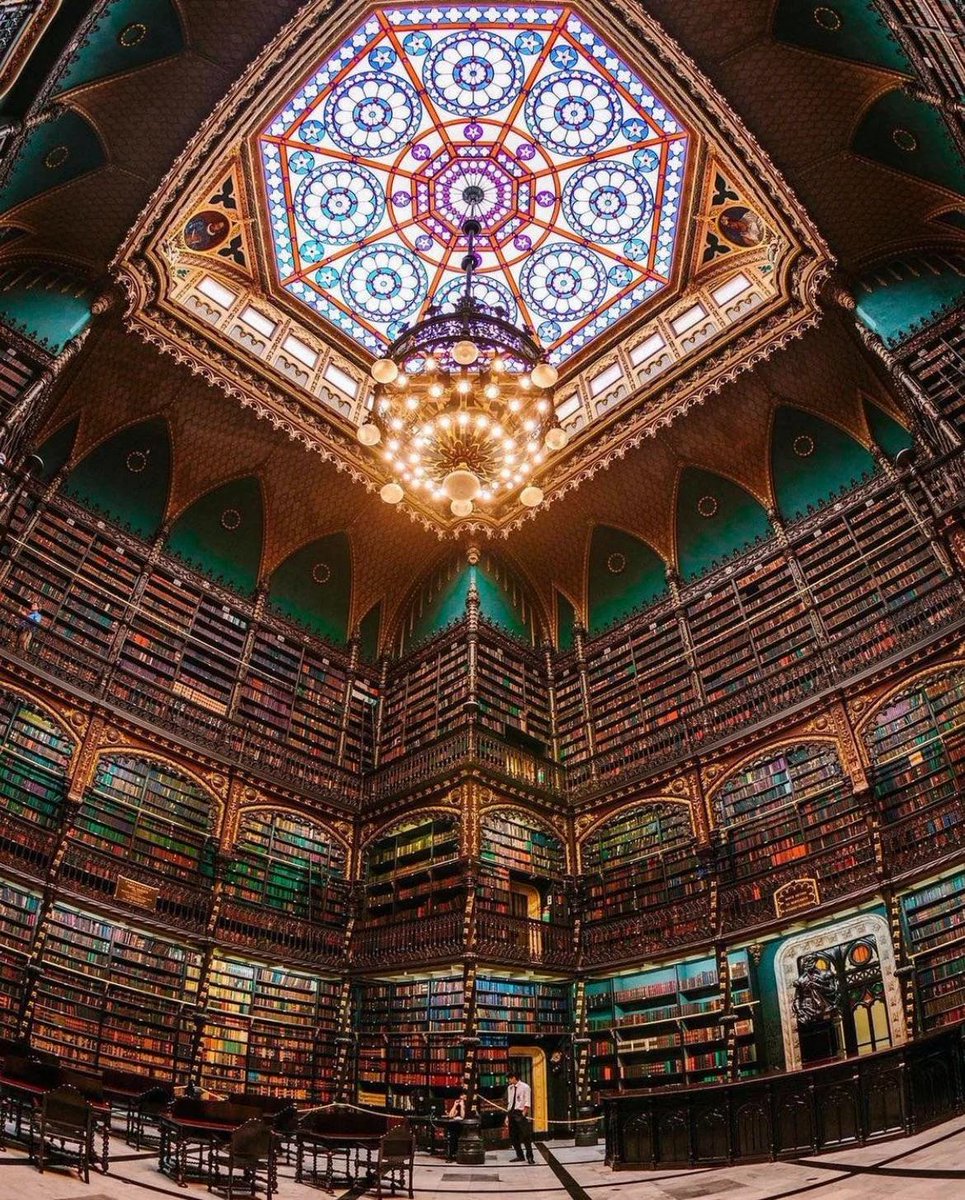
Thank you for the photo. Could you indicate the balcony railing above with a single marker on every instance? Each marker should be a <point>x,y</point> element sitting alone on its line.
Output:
<point>402,939</point>
<point>523,941</point>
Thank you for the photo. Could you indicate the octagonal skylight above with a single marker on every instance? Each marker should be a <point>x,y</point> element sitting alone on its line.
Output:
<point>579,164</point>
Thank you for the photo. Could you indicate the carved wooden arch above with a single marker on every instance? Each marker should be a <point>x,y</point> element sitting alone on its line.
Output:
<point>545,823</point>
<point>124,750</point>
<point>596,821</point>
<point>374,830</point>
<point>806,738</point>
<point>910,684</point>
<point>344,838</point>
<point>60,719</point>
<point>81,450</point>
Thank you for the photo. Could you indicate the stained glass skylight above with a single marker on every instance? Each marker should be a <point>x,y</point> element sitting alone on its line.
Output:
<point>580,164</point>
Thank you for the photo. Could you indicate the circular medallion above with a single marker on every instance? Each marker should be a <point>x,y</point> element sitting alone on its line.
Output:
<point>549,331</point>
<point>904,139</point>
<point>416,44</point>
<point>312,251</point>
<point>473,74</point>
<point>616,563</point>
<point>382,57</point>
<point>529,42</point>
<point>741,226</point>
<point>607,201</point>
<point>860,954</point>
<point>564,57</point>
<point>327,277</point>
<point>619,275</point>
<point>490,292</point>
<point>136,461</point>
<point>827,18</point>
<point>205,230</point>
<point>562,280</point>
<point>301,162</point>
<point>340,202</point>
<point>647,159</point>
<point>321,572</point>
<point>573,112</point>
<point>372,114</point>
<point>230,519</point>
<point>385,282</point>
<point>803,445</point>
<point>132,35</point>
<point>56,157</point>
<point>707,506</point>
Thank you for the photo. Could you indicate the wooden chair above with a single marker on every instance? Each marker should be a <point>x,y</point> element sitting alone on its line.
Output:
<point>396,1160</point>
<point>251,1146</point>
<point>63,1126</point>
<point>144,1115</point>
<point>285,1123</point>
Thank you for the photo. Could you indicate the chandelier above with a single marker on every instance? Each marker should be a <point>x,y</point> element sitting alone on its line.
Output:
<point>463,408</point>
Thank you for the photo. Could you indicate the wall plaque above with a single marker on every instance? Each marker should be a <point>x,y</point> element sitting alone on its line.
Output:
<point>135,893</point>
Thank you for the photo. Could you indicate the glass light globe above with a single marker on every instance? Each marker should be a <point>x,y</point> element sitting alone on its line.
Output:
<point>369,434</point>
<point>384,370</point>
<point>465,352</point>
<point>461,484</point>
<point>531,496</point>
<point>391,493</point>
<point>461,508</point>
<point>544,375</point>
<point>556,438</point>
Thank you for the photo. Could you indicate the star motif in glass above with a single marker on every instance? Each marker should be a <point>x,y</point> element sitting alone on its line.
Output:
<point>579,164</point>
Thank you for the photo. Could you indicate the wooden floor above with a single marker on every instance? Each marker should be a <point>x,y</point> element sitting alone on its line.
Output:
<point>929,1166</point>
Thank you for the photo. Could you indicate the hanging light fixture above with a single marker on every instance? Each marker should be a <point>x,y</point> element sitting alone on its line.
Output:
<point>463,402</point>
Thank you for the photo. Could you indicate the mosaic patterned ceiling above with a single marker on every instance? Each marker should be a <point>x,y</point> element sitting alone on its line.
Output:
<point>576,165</point>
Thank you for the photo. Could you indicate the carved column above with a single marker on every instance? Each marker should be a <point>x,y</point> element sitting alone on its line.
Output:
<point>579,645</point>
<point>683,628</point>
<point>551,697</point>
<point>29,407</point>
<point>380,711</point>
<point>471,706</point>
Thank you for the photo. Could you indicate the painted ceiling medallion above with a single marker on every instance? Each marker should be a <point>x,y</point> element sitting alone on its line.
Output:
<point>579,163</point>
<point>629,224</point>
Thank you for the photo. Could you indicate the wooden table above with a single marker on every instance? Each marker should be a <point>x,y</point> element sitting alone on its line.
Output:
<point>178,1134</point>
<point>33,1093</point>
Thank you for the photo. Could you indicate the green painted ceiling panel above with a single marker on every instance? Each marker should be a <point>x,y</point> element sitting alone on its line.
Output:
<point>901,307</point>
<point>45,316</point>
<point>56,449</point>
<point>625,575</point>
<point>313,586</point>
<point>565,620</point>
<point>911,136</point>
<point>851,29</point>
<point>221,534</point>
<point>369,629</point>
<point>53,154</point>
<point>813,462</point>
<point>128,34</point>
<point>448,604</point>
<point>127,478</point>
<point>890,436</point>
<point>716,519</point>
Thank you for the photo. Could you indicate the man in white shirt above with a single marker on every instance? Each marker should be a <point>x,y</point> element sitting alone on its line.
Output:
<point>519,1106</point>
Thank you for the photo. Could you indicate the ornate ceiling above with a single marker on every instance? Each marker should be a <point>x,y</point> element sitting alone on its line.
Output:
<point>628,217</point>
<point>808,95</point>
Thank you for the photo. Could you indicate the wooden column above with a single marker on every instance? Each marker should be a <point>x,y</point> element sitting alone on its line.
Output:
<point>579,645</point>
<point>551,697</point>
<point>353,664</point>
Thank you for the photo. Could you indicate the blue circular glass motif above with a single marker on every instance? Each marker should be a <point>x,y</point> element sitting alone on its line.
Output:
<point>549,331</point>
<point>564,57</point>
<point>636,249</point>
<point>528,43</point>
<point>340,202</point>
<point>312,250</point>
<point>573,112</point>
<point>326,277</point>
<point>312,132</point>
<point>416,44</point>
<point>301,162</point>
<point>473,74</point>
<point>619,275</point>
<point>385,283</point>
<point>491,292</point>
<point>373,114</point>
<point>382,57</point>
<point>606,201</point>
<point>646,160</point>
<point>562,281</point>
<point>635,129</point>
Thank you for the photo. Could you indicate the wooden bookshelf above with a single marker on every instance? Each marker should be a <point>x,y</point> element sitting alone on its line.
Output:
<point>285,887</point>
<point>642,880</point>
<point>268,1030</point>
<point>426,696</point>
<point>113,996</point>
<point>789,815</point>
<point>34,763</point>
<point>410,1038</point>
<point>511,689</point>
<point>917,748</point>
<point>663,1026</point>
<point>513,1011</point>
<point>934,919</point>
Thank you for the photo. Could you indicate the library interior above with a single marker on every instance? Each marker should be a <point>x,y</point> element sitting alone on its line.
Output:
<point>482,598</point>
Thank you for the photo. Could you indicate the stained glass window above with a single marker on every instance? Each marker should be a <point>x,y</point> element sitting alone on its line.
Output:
<point>580,165</point>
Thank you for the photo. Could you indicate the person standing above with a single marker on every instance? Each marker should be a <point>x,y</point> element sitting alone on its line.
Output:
<point>455,1115</point>
<point>519,1114</point>
<point>30,620</point>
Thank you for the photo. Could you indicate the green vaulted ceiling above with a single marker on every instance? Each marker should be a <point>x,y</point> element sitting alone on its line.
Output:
<point>314,587</point>
<point>127,477</point>
<point>623,574</point>
<point>221,534</point>
<point>812,462</point>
